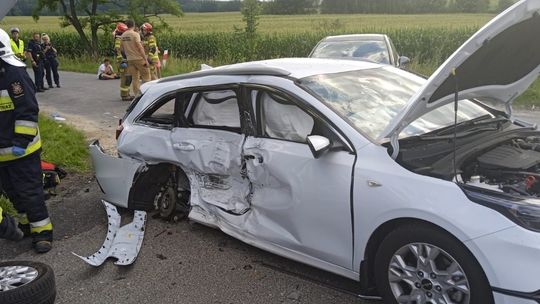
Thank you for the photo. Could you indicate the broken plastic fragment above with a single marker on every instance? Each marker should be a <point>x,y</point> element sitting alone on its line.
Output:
<point>122,243</point>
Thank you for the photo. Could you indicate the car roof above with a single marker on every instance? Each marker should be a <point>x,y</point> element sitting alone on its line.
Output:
<point>285,67</point>
<point>355,37</point>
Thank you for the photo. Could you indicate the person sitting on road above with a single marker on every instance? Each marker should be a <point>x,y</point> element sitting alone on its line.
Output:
<point>106,71</point>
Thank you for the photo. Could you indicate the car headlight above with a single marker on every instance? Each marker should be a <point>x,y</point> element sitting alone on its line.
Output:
<point>524,211</point>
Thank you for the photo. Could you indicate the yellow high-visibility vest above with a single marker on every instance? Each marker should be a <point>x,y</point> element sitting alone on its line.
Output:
<point>18,49</point>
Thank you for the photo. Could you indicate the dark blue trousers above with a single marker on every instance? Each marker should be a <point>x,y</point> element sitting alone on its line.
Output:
<point>39,71</point>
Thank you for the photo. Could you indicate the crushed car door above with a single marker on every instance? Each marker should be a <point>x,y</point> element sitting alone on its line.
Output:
<point>208,147</point>
<point>301,202</point>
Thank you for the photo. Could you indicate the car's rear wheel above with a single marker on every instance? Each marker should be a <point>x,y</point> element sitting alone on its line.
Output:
<point>423,265</point>
<point>26,282</point>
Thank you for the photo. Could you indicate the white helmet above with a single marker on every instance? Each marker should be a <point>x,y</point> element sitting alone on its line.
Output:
<point>6,53</point>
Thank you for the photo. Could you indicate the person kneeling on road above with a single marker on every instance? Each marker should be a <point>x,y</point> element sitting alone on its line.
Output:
<point>20,147</point>
<point>106,71</point>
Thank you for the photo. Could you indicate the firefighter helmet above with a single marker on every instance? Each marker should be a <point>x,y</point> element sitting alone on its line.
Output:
<point>121,27</point>
<point>147,27</point>
<point>6,53</point>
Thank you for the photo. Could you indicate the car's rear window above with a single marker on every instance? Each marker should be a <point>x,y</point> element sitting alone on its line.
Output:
<point>373,50</point>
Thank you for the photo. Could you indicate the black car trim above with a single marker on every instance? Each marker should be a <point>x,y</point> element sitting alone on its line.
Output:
<point>535,295</point>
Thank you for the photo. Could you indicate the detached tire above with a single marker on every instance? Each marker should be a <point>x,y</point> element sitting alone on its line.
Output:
<point>23,282</point>
<point>421,264</point>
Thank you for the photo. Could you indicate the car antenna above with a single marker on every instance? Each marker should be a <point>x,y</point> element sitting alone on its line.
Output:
<point>456,98</point>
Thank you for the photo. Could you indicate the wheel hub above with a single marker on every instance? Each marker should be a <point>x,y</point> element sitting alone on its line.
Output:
<point>426,284</point>
<point>424,273</point>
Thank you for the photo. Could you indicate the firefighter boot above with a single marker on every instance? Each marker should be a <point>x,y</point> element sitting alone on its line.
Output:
<point>8,228</point>
<point>42,236</point>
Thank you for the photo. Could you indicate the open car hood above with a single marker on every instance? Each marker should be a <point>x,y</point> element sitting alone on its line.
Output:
<point>498,63</point>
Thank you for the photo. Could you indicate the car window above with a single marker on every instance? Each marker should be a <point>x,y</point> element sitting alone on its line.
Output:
<point>443,117</point>
<point>162,114</point>
<point>373,50</point>
<point>369,99</point>
<point>282,119</point>
<point>215,109</point>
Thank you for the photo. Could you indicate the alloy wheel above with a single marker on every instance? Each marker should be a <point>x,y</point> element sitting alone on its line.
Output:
<point>12,277</point>
<point>421,273</point>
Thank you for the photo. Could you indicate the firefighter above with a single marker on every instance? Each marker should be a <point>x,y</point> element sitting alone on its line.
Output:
<point>17,45</point>
<point>20,148</point>
<point>121,62</point>
<point>151,49</point>
<point>137,63</point>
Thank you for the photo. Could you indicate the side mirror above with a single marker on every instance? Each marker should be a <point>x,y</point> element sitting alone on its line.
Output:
<point>403,61</point>
<point>318,145</point>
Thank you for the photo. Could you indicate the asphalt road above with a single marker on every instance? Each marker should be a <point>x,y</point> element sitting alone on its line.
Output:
<point>178,262</point>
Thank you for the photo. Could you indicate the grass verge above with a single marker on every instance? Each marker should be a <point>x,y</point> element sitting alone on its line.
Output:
<point>63,145</point>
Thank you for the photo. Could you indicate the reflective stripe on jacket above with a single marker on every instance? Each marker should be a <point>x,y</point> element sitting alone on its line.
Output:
<point>18,113</point>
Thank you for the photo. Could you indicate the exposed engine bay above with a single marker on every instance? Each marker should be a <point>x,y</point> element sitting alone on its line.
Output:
<point>505,160</point>
<point>513,168</point>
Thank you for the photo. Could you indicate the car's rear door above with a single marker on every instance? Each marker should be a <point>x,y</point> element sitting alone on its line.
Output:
<point>208,145</point>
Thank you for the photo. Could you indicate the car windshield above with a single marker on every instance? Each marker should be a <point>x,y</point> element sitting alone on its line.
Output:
<point>373,50</point>
<point>369,99</point>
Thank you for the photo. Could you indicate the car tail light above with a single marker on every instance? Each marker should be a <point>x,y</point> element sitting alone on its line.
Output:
<point>119,129</point>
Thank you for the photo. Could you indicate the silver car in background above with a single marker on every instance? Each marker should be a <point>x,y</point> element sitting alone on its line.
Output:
<point>378,48</point>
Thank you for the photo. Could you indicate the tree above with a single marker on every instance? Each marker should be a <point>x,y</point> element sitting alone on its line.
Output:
<point>102,14</point>
<point>251,9</point>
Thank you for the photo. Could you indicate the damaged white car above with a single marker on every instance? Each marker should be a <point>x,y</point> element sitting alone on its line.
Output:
<point>360,169</point>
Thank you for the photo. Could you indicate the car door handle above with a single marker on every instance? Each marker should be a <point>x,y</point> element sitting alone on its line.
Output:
<point>249,157</point>
<point>183,147</point>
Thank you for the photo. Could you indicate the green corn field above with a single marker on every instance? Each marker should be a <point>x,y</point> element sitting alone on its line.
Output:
<point>431,45</point>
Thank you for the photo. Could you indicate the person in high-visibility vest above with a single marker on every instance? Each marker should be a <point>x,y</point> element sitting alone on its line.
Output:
<point>121,62</point>
<point>151,49</point>
<point>17,45</point>
<point>20,148</point>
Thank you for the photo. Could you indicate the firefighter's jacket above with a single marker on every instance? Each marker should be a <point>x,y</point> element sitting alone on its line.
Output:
<point>117,48</point>
<point>18,113</point>
<point>151,48</point>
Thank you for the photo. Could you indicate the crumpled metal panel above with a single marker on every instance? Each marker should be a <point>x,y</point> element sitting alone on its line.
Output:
<point>115,175</point>
<point>212,160</point>
<point>122,243</point>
